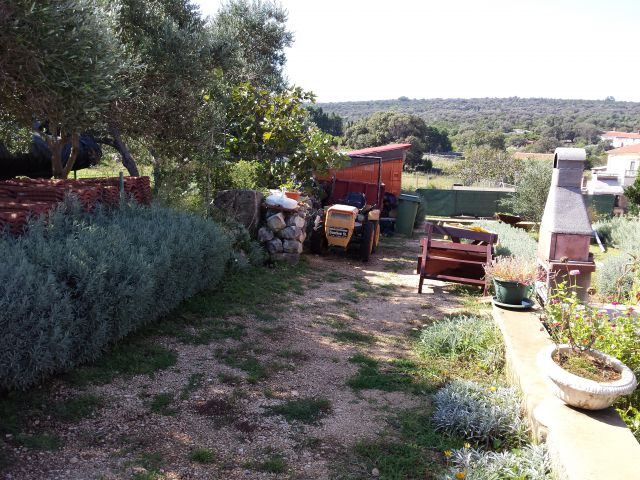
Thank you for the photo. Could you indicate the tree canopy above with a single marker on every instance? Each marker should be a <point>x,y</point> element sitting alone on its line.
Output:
<point>62,65</point>
<point>389,127</point>
<point>204,98</point>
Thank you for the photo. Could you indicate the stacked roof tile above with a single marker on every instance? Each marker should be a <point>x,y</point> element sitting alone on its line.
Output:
<point>21,199</point>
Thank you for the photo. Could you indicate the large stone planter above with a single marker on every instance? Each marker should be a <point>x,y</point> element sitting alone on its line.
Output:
<point>580,392</point>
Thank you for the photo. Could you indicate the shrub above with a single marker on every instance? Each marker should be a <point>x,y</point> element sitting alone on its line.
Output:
<point>72,286</point>
<point>531,462</point>
<point>620,232</point>
<point>484,415</point>
<point>530,197</point>
<point>512,241</point>
<point>624,234</point>
<point>610,272</point>
<point>464,338</point>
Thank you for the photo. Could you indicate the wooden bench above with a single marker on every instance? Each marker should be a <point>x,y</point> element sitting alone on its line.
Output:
<point>454,260</point>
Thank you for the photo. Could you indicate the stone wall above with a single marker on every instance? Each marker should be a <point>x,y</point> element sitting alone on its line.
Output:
<point>284,232</point>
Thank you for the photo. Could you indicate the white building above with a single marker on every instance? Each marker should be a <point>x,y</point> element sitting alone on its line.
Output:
<point>621,139</point>
<point>621,171</point>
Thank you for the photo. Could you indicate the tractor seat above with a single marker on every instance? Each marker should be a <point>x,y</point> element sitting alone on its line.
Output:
<point>355,199</point>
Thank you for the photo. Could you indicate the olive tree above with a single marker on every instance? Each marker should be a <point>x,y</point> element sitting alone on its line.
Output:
<point>61,64</point>
<point>391,127</point>
<point>484,163</point>
<point>532,188</point>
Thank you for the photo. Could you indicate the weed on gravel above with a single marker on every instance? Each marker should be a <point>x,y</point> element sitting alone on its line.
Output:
<point>411,449</point>
<point>305,410</point>
<point>273,464</point>
<point>38,441</point>
<point>397,375</point>
<point>128,358</point>
<point>202,455</point>
<point>162,404</point>
<point>351,336</point>
<point>297,355</point>
<point>76,408</point>
<point>194,382</point>
<point>249,291</point>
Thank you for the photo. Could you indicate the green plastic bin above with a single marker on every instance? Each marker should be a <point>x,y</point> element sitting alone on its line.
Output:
<point>407,209</point>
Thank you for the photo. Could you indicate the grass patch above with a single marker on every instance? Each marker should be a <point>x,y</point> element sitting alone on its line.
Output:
<point>333,276</point>
<point>397,375</point>
<point>76,408</point>
<point>194,382</point>
<point>162,404</point>
<point>264,316</point>
<point>305,410</point>
<point>195,330</point>
<point>273,464</point>
<point>251,290</point>
<point>39,442</point>
<point>18,407</point>
<point>350,297</point>
<point>297,355</point>
<point>202,455</point>
<point>229,378</point>
<point>254,369</point>
<point>336,323</point>
<point>128,358</point>
<point>274,333</point>
<point>412,451</point>
<point>351,336</point>
<point>152,462</point>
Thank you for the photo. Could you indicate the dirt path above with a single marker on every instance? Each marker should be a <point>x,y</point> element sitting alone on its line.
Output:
<point>275,402</point>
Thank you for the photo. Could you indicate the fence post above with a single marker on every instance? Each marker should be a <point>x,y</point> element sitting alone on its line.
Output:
<point>121,186</point>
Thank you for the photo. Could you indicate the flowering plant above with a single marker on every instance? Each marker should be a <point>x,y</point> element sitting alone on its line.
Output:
<point>573,322</point>
<point>512,269</point>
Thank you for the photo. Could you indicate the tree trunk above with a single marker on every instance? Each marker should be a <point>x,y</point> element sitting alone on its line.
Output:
<point>73,154</point>
<point>55,146</point>
<point>127,160</point>
<point>157,172</point>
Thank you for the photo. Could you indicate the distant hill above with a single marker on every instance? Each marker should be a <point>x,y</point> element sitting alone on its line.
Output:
<point>503,114</point>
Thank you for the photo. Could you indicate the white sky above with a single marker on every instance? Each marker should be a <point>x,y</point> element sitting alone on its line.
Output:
<point>383,49</point>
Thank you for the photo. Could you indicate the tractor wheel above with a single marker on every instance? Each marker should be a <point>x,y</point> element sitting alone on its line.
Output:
<point>376,236</point>
<point>367,241</point>
<point>318,241</point>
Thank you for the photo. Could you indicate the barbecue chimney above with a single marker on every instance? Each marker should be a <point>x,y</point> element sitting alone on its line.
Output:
<point>565,230</point>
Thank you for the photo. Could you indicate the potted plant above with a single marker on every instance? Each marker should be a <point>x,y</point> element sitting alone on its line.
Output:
<point>579,374</point>
<point>513,279</point>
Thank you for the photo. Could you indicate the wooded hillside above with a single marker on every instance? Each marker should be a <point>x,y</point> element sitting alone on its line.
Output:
<point>502,114</point>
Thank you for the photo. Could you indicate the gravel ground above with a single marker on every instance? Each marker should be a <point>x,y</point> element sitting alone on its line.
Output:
<point>229,414</point>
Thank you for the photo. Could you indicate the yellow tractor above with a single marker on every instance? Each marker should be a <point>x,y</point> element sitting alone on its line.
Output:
<point>350,223</point>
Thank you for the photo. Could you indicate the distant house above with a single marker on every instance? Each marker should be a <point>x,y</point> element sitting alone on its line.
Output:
<point>621,171</point>
<point>621,139</point>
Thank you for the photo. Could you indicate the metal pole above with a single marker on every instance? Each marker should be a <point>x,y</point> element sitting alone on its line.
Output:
<point>121,185</point>
<point>379,181</point>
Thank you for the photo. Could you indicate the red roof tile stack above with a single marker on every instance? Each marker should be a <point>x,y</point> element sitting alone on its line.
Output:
<point>21,199</point>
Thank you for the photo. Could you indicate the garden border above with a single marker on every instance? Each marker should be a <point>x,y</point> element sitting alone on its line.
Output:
<point>583,445</point>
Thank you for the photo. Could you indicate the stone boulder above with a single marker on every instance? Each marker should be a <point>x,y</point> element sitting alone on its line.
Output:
<point>274,246</point>
<point>289,233</point>
<point>292,246</point>
<point>264,235</point>
<point>241,205</point>
<point>296,221</point>
<point>276,222</point>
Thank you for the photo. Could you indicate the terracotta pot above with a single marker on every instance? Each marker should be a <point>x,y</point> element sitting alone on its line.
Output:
<point>294,195</point>
<point>581,392</point>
